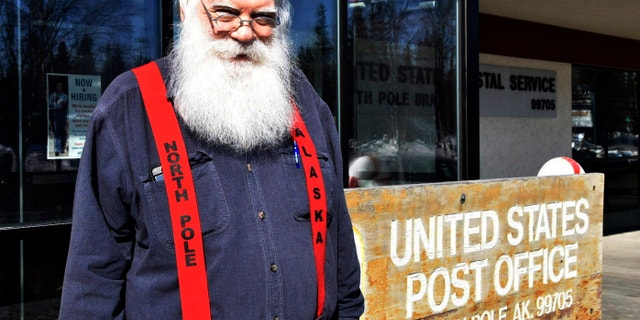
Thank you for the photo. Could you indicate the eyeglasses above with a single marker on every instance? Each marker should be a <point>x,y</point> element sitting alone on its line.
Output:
<point>230,22</point>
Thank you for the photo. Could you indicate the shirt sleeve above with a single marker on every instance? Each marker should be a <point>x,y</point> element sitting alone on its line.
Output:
<point>102,233</point>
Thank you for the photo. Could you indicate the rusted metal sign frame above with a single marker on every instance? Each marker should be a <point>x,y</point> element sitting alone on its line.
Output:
<point>489,249</point>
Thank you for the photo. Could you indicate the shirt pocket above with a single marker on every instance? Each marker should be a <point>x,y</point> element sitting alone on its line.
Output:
<point>213,208</point>
<point>296,184</point>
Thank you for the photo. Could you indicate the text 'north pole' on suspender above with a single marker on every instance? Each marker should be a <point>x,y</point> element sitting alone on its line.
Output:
<point>185,219</point>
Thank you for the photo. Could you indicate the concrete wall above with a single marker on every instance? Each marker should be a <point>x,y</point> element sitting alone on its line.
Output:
<point>519,146</point>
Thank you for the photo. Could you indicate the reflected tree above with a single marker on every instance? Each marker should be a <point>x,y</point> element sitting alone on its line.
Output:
<point>317,59</point>
<point>85,62</point>
<point>52,36</point>
<point>441,35</point>
<point>61,60</point>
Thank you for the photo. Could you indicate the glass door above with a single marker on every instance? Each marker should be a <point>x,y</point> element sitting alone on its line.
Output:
<point>56,58</point>
<point>605,131</point>
<point>403,60</point>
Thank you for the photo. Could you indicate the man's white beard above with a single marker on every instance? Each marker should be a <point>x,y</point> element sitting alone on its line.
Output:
<point>243,104</point>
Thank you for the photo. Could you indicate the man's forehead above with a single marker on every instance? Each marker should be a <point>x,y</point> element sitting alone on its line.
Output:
<point>244,4</point>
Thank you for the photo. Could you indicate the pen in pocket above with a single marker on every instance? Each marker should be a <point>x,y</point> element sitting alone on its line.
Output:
<point>296,153</point>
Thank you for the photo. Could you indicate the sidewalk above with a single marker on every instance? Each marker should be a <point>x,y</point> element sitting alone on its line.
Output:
<point>621,276</point>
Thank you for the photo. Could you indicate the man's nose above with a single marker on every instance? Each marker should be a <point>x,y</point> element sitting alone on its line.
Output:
<point>244,33</point>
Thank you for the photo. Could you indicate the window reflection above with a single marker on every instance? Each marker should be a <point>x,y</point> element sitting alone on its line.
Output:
<point>82,46</point>
<point>404,100</point>
<point>313,32</point>
<point>605,130</point>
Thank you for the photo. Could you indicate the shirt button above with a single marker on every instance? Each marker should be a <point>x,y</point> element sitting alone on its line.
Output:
<point>249,167</point>
<point>273,267</point>
<point>261,215</point>
<point>276,318</point>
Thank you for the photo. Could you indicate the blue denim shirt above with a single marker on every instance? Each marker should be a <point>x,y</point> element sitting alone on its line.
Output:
<point>254,214</point>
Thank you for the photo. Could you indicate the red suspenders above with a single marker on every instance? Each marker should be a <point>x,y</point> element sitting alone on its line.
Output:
<point>317,199</point>
<point>185,220</point>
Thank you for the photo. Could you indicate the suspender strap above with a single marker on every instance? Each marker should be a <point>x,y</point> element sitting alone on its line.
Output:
<point>185,220</point>
<point>317,199</point>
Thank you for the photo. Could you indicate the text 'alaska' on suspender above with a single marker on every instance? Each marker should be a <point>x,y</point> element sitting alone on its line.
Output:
<point>317,198</point>
<point>185,220</point>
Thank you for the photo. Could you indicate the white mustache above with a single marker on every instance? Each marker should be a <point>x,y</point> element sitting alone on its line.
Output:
<point>230,49</point>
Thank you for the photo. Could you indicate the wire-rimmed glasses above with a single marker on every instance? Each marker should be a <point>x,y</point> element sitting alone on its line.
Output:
<point>230,22</point>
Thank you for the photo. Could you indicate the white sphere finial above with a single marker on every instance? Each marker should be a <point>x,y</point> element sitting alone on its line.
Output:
<point>560,166</point>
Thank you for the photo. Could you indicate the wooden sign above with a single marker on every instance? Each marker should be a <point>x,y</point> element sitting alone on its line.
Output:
<point>482,250</point>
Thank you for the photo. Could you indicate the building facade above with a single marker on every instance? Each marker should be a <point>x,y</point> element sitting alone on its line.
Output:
<point>591,49</point>
<point>401,77</point>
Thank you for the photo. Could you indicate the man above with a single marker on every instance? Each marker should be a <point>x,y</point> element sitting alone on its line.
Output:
<point>58,105</point>
<point>234,91</point>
